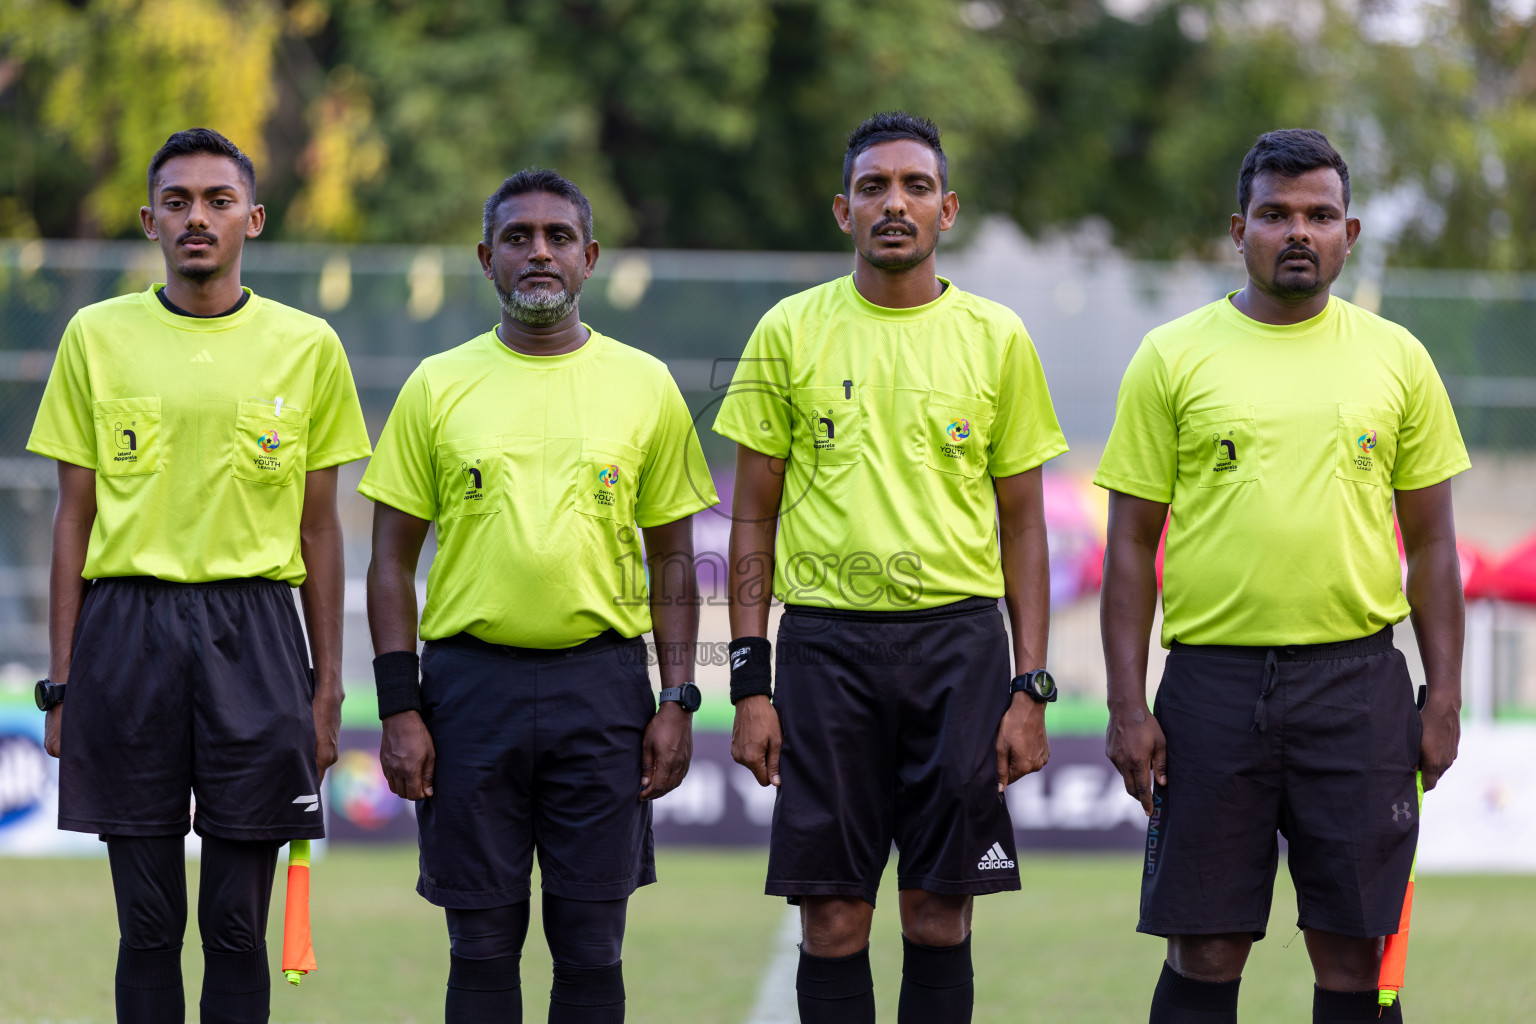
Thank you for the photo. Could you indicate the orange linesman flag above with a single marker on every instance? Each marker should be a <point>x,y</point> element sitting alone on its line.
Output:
<point>298,950</point>
<point>1394,954</point>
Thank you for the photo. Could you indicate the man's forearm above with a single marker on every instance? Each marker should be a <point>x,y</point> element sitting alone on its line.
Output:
<point>750,576</point>
<point>73,519</point>
<point>1026,561</point>
<point>674,587</point>
<point>66,592</point>
<point>1126,611</point>
<point>1438,617</point>
<point>323,597</point>
<point>391,606</point>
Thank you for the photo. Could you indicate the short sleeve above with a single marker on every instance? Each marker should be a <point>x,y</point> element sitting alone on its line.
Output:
<point>1141,456</point>
<point>400,474</point>
<point>337,431</point>
<point>675,480</point>
<point>1429,445</point>
<point>755,410</point>
<point>1025,432</point>
<point>65,428</point>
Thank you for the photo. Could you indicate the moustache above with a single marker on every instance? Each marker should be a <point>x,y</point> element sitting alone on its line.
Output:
<point>905,225</point>
<point>541,272</point>
<point>1298,252</point>
<point>201,236</point>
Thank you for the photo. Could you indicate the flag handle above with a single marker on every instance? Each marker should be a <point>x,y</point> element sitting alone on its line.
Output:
<point>1394,953</point>
<point>298,950</point>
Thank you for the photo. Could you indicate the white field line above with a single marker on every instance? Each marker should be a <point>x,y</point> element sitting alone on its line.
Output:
<point>776,993</point>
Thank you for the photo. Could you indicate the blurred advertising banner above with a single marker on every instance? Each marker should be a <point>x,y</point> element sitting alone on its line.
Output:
<point>1480,818</point>
<point>1482,815</point>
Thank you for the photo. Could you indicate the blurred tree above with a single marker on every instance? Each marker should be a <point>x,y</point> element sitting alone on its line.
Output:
<point>720,123</point>
<point>107,81</point>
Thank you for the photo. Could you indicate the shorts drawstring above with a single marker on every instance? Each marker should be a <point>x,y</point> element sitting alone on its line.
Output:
<point>1271,677</point>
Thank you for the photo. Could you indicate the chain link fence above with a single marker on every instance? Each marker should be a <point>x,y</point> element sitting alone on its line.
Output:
<point>394,305</point>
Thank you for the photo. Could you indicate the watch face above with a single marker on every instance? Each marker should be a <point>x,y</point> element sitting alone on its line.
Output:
<point>1045,684</point>
<point>692,698</point>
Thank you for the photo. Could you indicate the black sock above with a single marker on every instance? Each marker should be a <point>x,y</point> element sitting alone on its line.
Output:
<point>1181,1000</point>
<point>1331,1007</point>
<point>484,991</point>
<point>149,986</point>
<point>237,987</point>
<point>587,995</point>
<point>936,984</point>
<point>835,990</point>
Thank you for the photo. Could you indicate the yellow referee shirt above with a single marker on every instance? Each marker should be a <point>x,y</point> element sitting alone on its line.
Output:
<point>536,470</point>
<point>893,422</point>
<point>200,432</point>
<point>1279,449</point>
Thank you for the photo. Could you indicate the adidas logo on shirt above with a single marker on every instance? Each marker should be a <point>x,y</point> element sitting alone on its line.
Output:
<point>202,357</point>
<point>994,859</point>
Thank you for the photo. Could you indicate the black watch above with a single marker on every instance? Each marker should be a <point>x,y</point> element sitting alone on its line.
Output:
<point>1038,684</point>
<point>48,694</point>
<point>687,695</point>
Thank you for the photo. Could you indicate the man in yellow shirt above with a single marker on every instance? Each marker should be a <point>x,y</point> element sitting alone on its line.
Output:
<point>1273,431</point>
<point>197,428</point>
<point>528,724</point>
<point>890,433</point>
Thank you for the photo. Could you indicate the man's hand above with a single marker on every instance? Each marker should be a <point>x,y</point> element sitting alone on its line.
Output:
<point>667,750</point>
<point>52,725</point>
<point>756,739</point>
<point>407,756</point>
<point>1136,745</point>
<point>1437,748</point>
<point>327,708</point>
<point>1022,747</point>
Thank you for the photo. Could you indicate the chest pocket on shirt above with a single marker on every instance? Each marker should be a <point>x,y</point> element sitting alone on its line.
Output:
<point>470,476</point>
<point>956,431</point>
<point>1366,444</point>
<point>826,426</point>
<point>269,448</point>
<point>608,480</point>
<point>128,438</point>
<point>1223,444</point>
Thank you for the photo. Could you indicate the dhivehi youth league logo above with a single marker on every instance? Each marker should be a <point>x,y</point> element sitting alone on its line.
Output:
<point>269,441</point>
<point>1366,441</point>
<point>608,475</point>
<point>959,430</point>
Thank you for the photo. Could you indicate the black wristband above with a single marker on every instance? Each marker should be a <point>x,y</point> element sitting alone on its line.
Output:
<point>751,668</point>
<point>396,675</point>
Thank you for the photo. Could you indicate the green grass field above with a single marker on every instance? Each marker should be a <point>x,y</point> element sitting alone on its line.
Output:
<point>1062,951</point>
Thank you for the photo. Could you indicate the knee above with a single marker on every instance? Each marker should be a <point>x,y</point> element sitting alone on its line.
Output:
<point>935,919</point>
<point>584,933</point>
<point>834,926</point>
<point>1209,958</point>
<point>1344,963</point>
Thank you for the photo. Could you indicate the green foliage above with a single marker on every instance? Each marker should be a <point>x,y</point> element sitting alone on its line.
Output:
<point>721,123</point>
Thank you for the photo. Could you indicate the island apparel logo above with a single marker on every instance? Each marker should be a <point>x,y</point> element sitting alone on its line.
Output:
<point>826,432</point>
<point>1366,442</point>
<point>127,443</point>
<point>474,481</point>
<point>1226,453</point>
<point>957,431</point>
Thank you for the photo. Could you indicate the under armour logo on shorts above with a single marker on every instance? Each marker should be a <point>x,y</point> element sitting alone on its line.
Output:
<point>1402,810</point>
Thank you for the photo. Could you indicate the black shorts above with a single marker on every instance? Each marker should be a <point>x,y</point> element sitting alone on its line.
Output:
<point>890,731</point>
<point>1319,743</point>
<point>190,690</point>
<point>536,750</point>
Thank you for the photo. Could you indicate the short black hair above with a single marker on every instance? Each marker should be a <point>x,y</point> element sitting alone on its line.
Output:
<point>201,140</point>
<point>537,179</point>
<point>888,127</point>
<point>1290,152</point>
